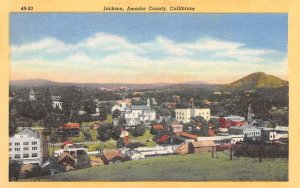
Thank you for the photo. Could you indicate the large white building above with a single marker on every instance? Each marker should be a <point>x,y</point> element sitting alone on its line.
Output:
<point>26,146</point>
<point>185,115</point>
<point>142,112</point>
<point>247,130</point>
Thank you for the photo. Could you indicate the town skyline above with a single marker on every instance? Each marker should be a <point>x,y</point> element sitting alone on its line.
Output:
<point>210,49</point>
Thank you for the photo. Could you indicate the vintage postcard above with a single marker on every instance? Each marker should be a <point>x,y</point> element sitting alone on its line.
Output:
<point>168,93</point>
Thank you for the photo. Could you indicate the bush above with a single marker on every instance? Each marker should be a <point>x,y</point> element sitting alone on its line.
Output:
<point>83,161</point>
<point>268,151</point>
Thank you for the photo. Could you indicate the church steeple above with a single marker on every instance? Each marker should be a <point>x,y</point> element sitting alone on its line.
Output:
<point>148,102</point>
<point>32,95</point>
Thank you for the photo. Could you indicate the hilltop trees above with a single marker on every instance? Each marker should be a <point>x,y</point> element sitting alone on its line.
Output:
<point>104,132</point>
<point>138,130</point>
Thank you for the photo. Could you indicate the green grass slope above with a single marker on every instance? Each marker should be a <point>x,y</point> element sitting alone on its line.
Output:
<point>257,80</point>
<point>194,167</point>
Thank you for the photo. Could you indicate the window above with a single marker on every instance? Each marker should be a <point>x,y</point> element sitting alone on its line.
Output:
<point>10,144</point>
<point>26,148</point>
<point>25,143</point>
<point>34,155</point>
<point>17,156</point>
<point>34,143</point>
<point>9,149</point>
<point>25,155</point>
<point>17,143</point>
<point>17,149</point>
<point>34,148</point>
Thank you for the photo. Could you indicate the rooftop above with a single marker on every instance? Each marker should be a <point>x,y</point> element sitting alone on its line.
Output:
<point>29,132</point>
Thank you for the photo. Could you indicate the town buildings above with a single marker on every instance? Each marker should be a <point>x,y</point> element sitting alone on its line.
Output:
<point>185,115</point>
<point>26,146</point>
<point>250,132</point>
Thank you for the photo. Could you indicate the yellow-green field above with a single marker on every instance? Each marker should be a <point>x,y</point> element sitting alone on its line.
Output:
<point>193,167</point>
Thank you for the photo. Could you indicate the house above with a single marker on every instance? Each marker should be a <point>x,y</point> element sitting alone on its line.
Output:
<point>56,102</point>
<point>121,107</point>
<point>269,135</point>
<point>70,148</point>
<point>26,147</point>
<point>249,131</point>
<point>69,129</point>
<point>132,122</point>
<point>112,156</point>
<point>185,115</point>
<point>202,146</point>
<point>67,160</point>
<point>176,127</point>
<point>233,120</point>
<point>166,119</point>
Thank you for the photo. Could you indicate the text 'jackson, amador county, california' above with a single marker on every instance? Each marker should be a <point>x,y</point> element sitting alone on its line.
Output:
<point>149,8</point>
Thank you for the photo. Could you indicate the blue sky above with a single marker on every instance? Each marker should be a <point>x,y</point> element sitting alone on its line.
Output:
<point>124,47</point>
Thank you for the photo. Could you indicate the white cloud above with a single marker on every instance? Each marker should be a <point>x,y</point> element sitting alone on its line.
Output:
<point>114,56</point>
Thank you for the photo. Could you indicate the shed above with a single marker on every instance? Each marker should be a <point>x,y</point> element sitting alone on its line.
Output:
<point>112,156</point>
<point>66,159</point>
<point>184,148</point>
<point>202,146</point>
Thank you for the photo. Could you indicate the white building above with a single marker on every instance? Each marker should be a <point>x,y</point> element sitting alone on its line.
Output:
<point>32,95</point>
<point>56,102</point>
<point>222,139</point>
<point>185,115</point>
<point>247,130</point>
<point>146,152</point>
<point>121,107</point>
<point>142,112</point>
<point>270,134</point>
<point>26,146</point>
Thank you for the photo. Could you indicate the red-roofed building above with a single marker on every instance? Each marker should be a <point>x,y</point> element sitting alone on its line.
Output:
<point>112,156</point>
<point>70,129</point>
<point>163,139</point>
<point>68,144</point>
<point>157,127</point>
<point>231,121</point>
<point>188,135</point>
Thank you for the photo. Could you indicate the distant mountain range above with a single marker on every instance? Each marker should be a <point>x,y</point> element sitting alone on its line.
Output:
<point>253,81</point>
<point>258,80</point>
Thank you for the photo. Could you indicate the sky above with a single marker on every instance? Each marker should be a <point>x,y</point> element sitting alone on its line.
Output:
<point>147,48</point>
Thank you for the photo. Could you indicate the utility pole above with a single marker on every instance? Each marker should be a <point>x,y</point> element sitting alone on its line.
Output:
<point>230,153</point>
<point>249,118</point>
<point>260,154</point>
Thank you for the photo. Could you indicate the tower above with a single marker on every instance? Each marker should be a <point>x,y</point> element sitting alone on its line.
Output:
<point>148,102</point>
<point>32,95</point>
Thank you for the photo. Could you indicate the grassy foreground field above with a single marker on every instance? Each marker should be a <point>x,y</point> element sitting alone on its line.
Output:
<point>194,167</point>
